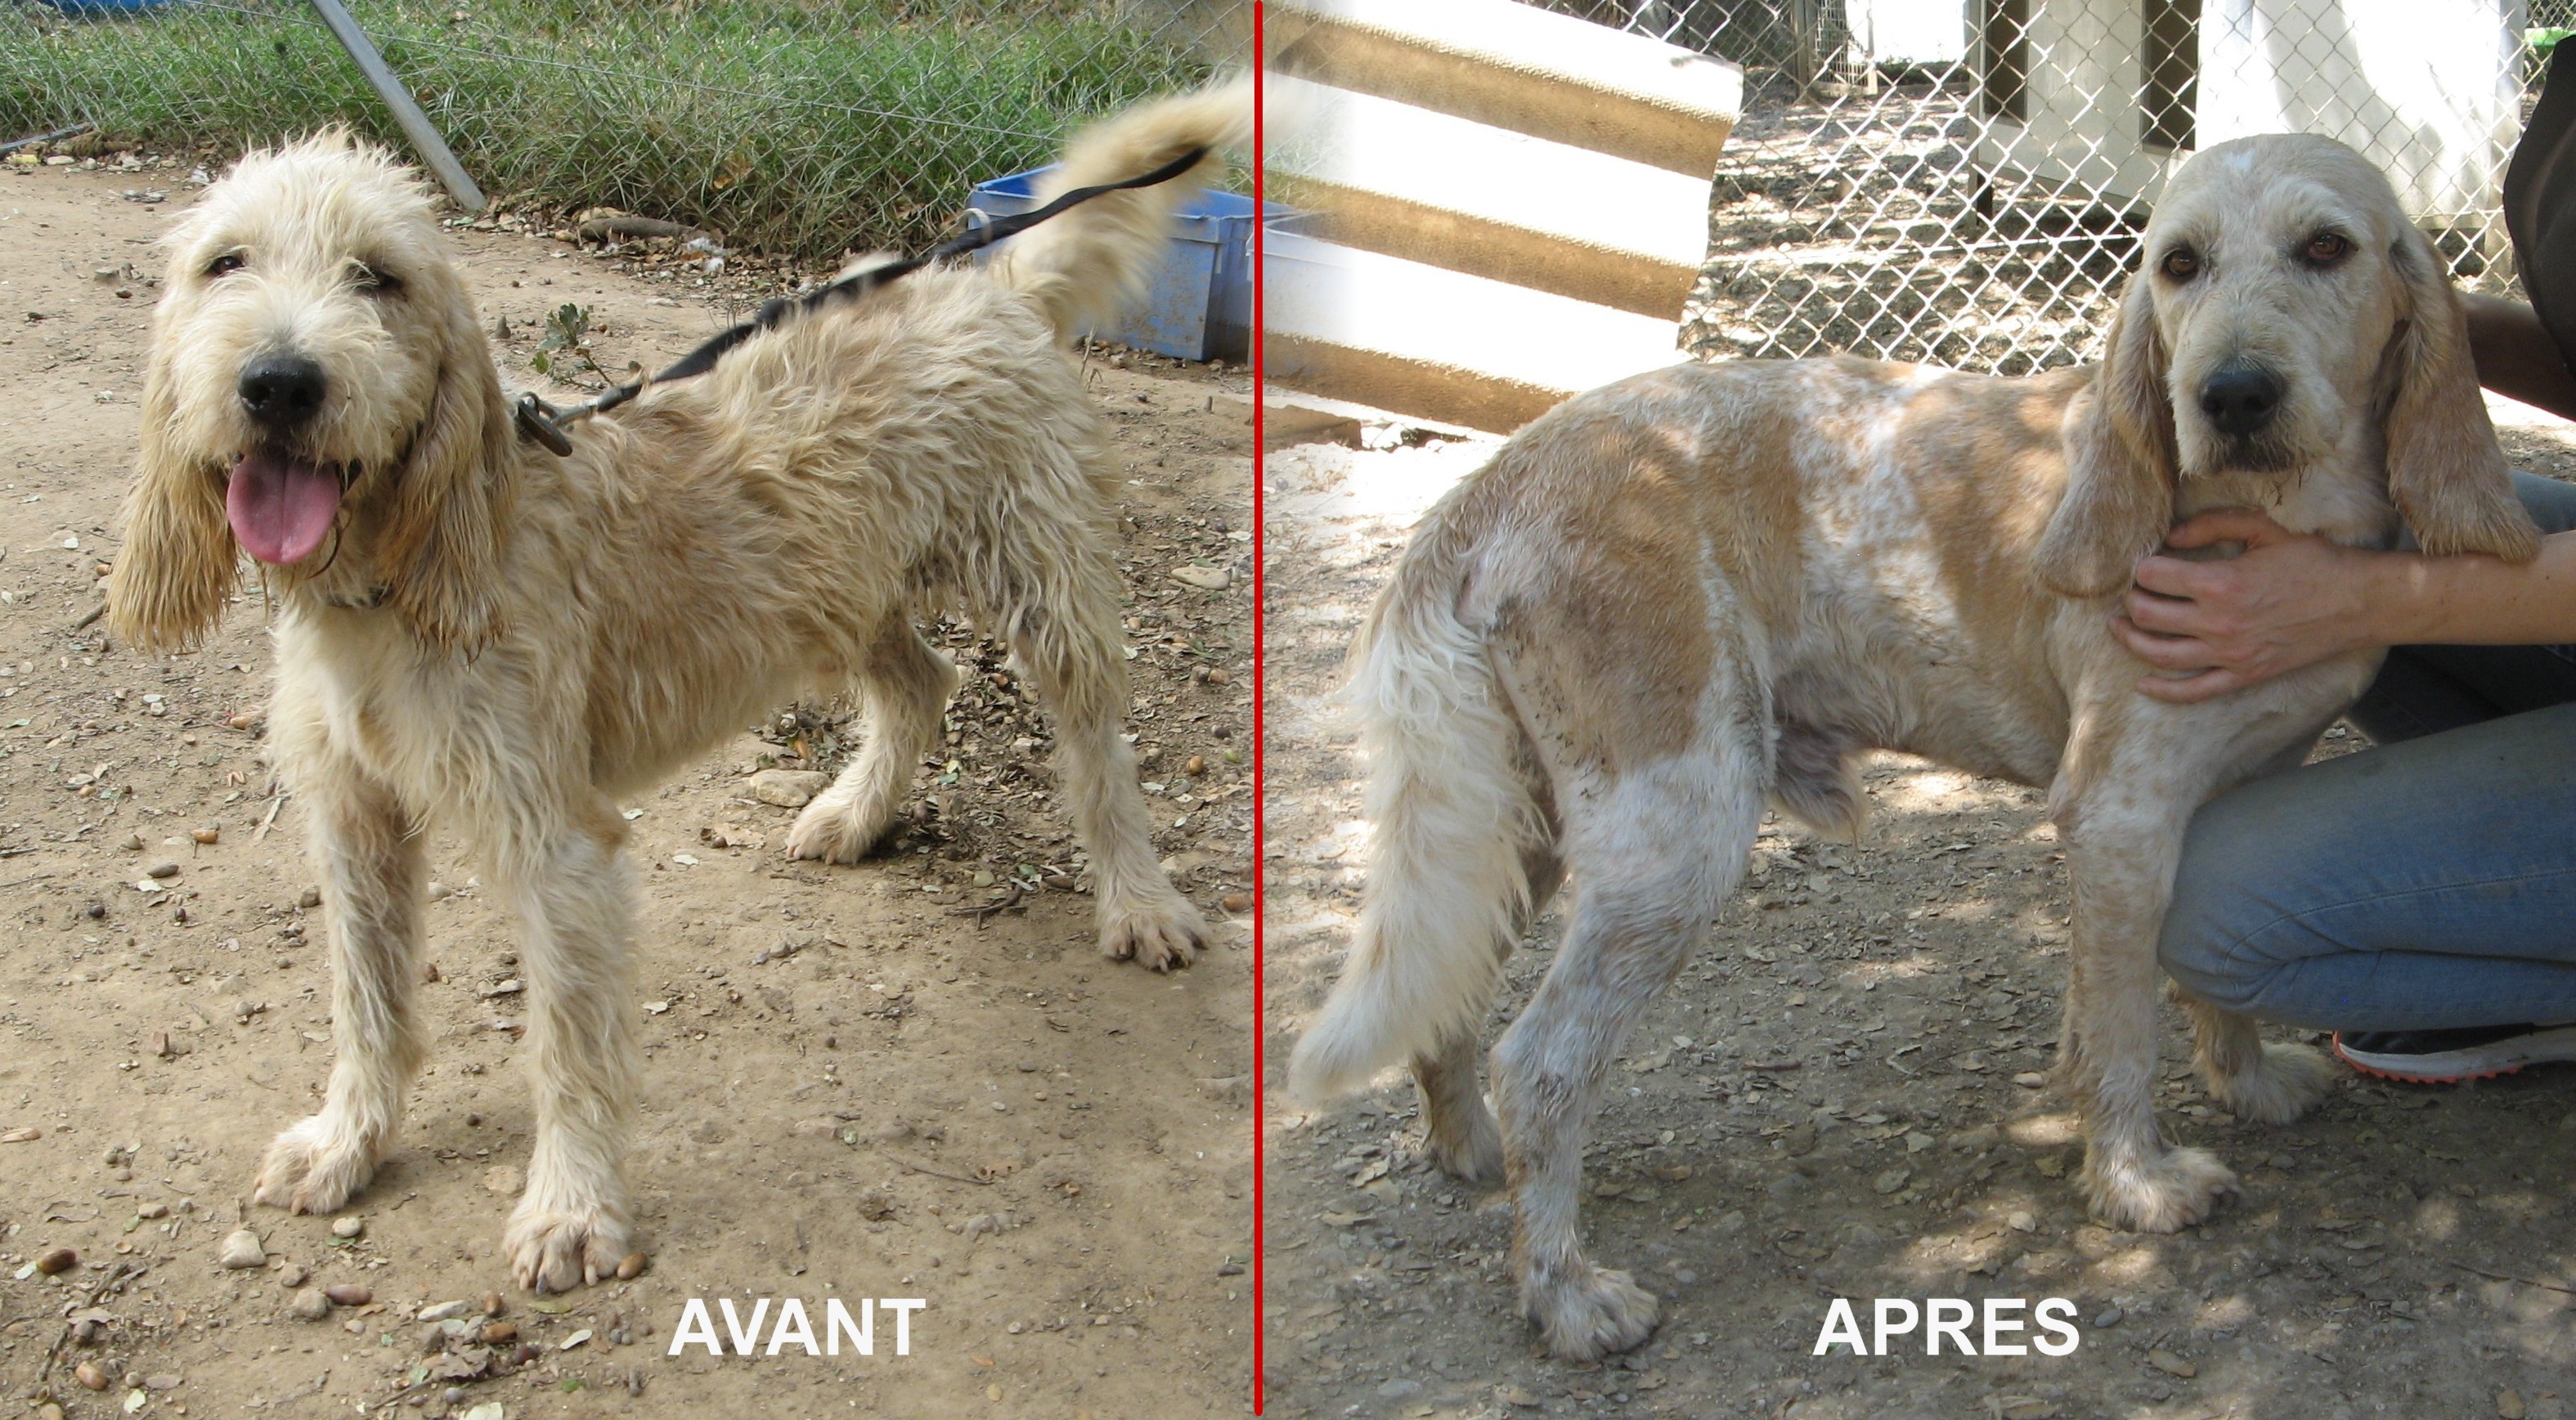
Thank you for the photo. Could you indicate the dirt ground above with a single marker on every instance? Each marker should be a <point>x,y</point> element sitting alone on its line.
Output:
<point>852,1089</point>
<point>1839,1099</point>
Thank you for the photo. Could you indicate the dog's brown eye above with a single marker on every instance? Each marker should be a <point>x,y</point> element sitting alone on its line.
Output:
<point>225,265</point>
<point>2326,248</point>
<point>372,281</point>
<point>2182,263</point>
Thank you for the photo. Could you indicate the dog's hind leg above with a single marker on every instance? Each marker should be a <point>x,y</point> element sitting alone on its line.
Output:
<point>1064,628</point>
<point>2269,1084</point>
<point>575,895</point>
<point>1141,914</point>
<point>905,685</point>
<point>372,872</point>
<point>1458,1131</point>
<point>1652,856</point>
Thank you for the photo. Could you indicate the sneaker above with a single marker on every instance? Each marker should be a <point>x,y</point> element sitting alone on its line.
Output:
<point>2443,1056</point>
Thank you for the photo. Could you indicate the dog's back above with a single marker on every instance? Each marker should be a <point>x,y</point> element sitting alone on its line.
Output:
<point>1837,551</point>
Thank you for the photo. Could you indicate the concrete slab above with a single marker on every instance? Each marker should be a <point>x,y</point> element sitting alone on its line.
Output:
<point>1418,340</point>
<point>1520,68</point>
<point>1292,417</point>
<point>1471,197</point>
<point>1287,420</point>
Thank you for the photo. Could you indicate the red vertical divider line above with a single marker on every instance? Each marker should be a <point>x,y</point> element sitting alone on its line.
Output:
<point>1260,668</point>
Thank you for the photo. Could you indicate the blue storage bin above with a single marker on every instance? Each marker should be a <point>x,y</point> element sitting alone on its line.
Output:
<point>1198,302</point>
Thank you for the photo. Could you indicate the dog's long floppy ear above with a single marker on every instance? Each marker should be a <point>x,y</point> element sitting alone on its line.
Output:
<point>448,510</point>
<point>2120,462</point>
<point>2445,472</point>
<point>167,589</point>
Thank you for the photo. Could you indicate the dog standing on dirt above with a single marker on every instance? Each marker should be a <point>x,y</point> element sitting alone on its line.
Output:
<point>475,634</point>
<point>1673,597</point>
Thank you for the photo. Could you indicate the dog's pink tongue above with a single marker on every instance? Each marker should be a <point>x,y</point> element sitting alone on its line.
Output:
<point>281,508</point>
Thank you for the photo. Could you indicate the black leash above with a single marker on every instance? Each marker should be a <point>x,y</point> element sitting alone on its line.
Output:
<point>543,422</point>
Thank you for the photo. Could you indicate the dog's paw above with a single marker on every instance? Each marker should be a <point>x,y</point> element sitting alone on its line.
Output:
<point>1160,934</point>
<point>555,1251</point>
<point>2279,1089</point>
<point>2163,1193</point>
<point>1593,1314</point>
<point>314,1167</point>
<point>1466,1144</point>
<point>837,830</point>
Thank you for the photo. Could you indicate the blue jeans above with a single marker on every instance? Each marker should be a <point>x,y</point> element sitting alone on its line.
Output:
<point>2424,884</point>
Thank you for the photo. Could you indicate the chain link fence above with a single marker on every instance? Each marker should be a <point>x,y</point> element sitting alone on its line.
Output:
<point>803,128</point>
<point>1966,181</point>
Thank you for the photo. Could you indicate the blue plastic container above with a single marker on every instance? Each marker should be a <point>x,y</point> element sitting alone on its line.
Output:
<point>1198,302</point>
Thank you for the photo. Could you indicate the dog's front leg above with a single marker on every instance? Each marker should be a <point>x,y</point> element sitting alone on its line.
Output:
<point>372,871</point>
<point>905,685</point>
<point>2123,836</point>
<point>575,894</point>
<point>2268,1082</point>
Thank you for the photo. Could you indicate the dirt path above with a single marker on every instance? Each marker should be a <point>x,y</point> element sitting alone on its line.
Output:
<point>852,1090</point>
<point>1837,1100</point>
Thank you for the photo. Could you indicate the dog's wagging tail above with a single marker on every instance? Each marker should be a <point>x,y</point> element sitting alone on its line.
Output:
<point>544,423</point>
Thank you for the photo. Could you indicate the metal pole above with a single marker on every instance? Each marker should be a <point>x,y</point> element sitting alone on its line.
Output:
<point>415,124</point>
<point>33,139</point>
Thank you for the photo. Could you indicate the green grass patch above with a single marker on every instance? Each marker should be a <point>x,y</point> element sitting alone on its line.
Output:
<point>803,129</point>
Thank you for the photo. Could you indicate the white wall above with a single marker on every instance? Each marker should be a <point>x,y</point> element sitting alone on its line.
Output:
<point>2427,89</point>
<point>1926,32</point>
<point>2081,102</point>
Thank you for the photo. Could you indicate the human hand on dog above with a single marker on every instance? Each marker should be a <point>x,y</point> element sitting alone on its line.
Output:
<point>2293,599</point>
<point>2208,628</point>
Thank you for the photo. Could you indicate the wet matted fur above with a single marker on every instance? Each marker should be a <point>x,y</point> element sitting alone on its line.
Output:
<point>472,633</point>
<point>1677,596</point>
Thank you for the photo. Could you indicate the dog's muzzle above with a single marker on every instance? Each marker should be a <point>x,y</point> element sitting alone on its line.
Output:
<point>2241,398</point>
<point>282,393</point>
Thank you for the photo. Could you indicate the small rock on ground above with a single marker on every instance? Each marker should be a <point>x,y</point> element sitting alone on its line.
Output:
<point>242,1249</point>
<point>787,788</point>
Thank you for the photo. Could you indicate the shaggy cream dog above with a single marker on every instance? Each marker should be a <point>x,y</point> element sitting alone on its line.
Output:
<point>473,633</point>
<point>1674,597</point>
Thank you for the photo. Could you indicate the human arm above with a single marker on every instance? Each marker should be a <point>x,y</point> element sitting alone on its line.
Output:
<point>2515,355</point>
<point>2291,600</point>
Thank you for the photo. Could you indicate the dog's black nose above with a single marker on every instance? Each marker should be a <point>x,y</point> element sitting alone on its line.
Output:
<point>281,391</point>
<point>2241,398</point>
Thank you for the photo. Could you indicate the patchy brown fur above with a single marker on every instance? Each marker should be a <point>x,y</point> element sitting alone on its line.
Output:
<point>1672,597</point>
